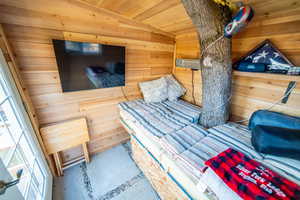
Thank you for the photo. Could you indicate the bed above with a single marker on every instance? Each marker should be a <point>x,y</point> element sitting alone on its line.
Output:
<point>168,134</point>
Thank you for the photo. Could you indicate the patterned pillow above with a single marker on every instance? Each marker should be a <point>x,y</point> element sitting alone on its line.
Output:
<point>154,91</point>
<point>175,89</point>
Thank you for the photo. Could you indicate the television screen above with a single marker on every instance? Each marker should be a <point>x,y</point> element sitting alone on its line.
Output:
<point>84,66</point>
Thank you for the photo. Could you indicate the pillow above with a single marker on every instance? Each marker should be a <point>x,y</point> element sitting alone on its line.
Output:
<point>269,118</point>
<point>175,89</point>
<point>154,91</point>
<point>276,141</point>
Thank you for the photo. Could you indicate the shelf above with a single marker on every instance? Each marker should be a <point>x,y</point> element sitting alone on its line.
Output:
<point>195,64</point>
<point>267,75</point>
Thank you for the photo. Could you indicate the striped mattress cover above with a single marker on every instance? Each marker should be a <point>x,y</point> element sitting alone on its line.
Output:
<point>179,141</point>
<point>215,142</point>
<point>159,119</point>
<point>186,180</point>
<point>187,145</point>
<point>239,138</point>
<point>287,167</point>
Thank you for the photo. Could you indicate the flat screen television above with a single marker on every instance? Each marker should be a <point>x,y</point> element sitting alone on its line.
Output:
<point>84,66</point>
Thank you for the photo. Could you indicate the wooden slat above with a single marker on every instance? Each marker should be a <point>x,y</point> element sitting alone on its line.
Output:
<point>163,5</point>
<point>58,163</point>
<point>86,152</point>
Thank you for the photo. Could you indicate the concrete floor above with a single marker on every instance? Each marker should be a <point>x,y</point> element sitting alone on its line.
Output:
<point>111,175</point>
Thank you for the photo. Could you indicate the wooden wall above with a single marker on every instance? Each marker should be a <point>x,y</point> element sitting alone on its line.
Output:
<point>30,26</point>
<point>252,91</point>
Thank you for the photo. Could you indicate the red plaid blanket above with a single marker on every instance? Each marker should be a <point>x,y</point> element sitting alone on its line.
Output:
<point>250,179</point>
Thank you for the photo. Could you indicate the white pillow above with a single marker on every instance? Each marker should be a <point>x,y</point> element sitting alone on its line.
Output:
<point>154,91</point>
<point>175,89</point>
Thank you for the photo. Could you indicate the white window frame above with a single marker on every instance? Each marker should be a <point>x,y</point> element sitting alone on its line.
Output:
<point>27,130</point>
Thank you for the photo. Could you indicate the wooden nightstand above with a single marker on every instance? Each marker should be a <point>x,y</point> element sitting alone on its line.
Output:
<point>65,135</point>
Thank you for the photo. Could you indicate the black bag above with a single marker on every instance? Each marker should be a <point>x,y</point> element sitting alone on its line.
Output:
<point>276,141</point>
<point>275,119</point>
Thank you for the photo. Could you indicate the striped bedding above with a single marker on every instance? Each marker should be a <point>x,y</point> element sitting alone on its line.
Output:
<point>287,167</point>
<point>216,141</point>
<point>179,141</point>
<point>232,132</point>
<point>237,136</point>
<point>181,108</point>
<point>159,119</point>
<point>174,126</point>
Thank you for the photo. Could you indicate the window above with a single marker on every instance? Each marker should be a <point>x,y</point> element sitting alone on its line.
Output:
<point>18,146</point>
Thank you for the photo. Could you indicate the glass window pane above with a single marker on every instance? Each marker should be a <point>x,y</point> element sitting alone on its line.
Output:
<point>12,122</point>
<point>26,150</point>
<point>6,143</point>
<point>32,192</point>
<point>2,94</point>
<point>37,172</point>
<point>39,197</point>
<point>17,163</point>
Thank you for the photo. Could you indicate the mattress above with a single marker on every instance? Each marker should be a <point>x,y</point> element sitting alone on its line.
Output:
<point>159,119</point>
<point>184,109</point>
<point>217,140</point>
<point>236,136</point>
<point>153,143</point>
<point>287,167</point>
<point>169,132</point>
<point>179,141</point>
<point>179,108</point>
<point>186,181</point>
<point>239,137</point>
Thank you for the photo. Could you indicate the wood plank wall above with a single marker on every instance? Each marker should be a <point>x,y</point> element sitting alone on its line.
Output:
<point>30,26</point>
<point>252,91</point>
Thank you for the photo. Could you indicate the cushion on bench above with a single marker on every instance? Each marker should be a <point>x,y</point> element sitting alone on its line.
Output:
<point>193,158</point>
<point>190,145</point>
<point>237,136</point>
<point>160,119</point>
<point>289,168</point>
<point>184,109</point>
<point>180,140</point>
<point>219,139</point>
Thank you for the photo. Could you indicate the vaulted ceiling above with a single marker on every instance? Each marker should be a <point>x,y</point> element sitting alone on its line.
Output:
<point>170,16</point>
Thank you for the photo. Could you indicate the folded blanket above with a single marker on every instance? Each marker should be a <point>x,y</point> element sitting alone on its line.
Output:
<point>250,179</point>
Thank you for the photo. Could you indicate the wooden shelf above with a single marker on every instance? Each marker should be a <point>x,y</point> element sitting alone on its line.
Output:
<point>195,64</point>
<point>267,75</point>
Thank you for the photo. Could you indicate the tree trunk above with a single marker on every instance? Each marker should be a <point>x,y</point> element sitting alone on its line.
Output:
<point>210,20</point>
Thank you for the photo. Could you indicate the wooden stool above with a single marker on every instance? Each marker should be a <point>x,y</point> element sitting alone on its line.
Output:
<point>65,135</point>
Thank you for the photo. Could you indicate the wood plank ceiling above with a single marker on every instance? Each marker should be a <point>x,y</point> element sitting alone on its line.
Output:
<point>170,16</point>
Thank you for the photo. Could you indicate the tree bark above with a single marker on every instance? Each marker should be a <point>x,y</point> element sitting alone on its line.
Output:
<point>210,19</point>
